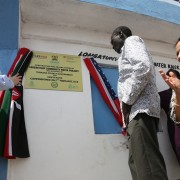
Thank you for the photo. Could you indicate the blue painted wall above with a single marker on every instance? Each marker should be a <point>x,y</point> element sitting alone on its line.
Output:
<point>104,120</point>
<point>9,23</point>
<point>159,9</point>
<point>9,18</point>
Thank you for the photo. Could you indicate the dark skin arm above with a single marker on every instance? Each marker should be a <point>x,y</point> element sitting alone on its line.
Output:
<point>126,109</point>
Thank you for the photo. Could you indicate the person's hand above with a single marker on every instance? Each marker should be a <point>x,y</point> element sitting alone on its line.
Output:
<point>172,81</point>
<point>16,79</point>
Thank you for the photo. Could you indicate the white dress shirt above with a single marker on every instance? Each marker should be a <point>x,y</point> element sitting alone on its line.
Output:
<point>137,81</point>
<point>5,83</point>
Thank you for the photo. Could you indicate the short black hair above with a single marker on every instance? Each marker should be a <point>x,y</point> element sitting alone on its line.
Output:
<point>119,31</point>
<point>177,74</point>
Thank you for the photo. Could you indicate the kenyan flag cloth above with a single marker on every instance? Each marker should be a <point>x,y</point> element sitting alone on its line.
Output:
<point>13,136</point>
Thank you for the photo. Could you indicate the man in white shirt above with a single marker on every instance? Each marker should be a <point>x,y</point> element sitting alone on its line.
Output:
<point>9,82</point>
<point>140,105</point>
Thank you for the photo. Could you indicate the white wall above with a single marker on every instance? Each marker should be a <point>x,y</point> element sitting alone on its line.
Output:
<point>63,145</point>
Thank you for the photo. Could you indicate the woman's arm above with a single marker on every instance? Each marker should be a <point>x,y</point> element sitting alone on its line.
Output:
<point>174,83</point>
<point>177,107</point>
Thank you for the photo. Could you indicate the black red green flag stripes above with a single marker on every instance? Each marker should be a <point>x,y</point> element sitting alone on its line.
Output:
<point>13,136</point>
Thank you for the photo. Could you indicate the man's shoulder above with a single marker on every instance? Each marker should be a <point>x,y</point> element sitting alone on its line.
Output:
<point>134,39</point>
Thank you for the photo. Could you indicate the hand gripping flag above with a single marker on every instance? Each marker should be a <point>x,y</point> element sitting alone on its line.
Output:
<point>13,136</point>
<point>105,89</point>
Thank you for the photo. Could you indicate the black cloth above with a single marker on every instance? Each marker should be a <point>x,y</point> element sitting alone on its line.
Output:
<point>173,129</point>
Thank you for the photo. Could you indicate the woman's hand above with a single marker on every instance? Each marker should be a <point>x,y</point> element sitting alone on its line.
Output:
<point>16,79</point>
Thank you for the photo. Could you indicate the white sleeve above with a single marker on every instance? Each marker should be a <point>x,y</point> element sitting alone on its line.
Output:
<point>136,70</point>
<point>5,83</point>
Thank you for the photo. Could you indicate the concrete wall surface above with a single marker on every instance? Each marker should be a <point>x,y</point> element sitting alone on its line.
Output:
<point>60,126</point>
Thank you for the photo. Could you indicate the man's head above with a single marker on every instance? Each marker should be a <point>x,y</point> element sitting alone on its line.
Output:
<point>176,73</point>
<point>178,49</point>
<point>118,37</point>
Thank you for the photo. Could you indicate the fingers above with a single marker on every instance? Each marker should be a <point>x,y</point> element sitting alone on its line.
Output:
<point>164,76</point>
<point>172,81</point>
<point>16,79</point>
<point>17,75</point>
<point>161,71</point>
<point>167,79</point>
<point>172,74</point>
